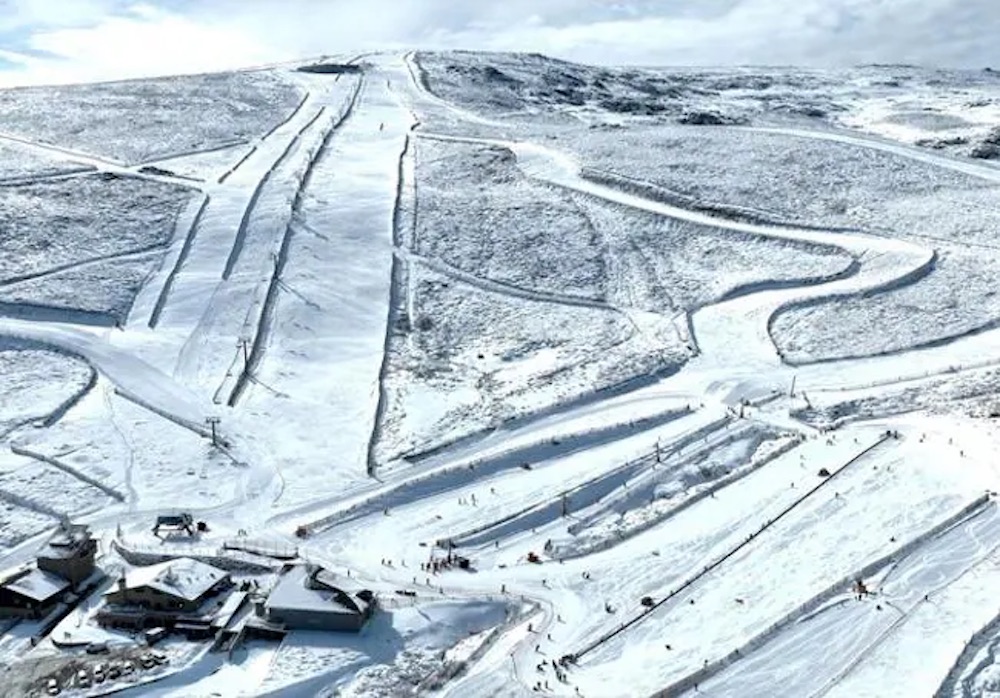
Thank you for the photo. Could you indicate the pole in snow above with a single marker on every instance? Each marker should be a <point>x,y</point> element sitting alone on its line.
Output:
<point>212,423</point>
<point>244,344</point>
<point>791,392</point>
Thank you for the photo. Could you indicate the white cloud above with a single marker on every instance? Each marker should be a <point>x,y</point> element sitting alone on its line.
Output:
<point>112,38</point>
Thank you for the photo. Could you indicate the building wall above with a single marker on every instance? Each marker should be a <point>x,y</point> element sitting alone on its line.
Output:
<point>14,605</point>
<point>151,598</point>
<point>316,620</point>
<point>75,569</point>
<point>158,600</point>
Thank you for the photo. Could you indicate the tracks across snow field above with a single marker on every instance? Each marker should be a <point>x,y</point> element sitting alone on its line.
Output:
<point>618,516</point>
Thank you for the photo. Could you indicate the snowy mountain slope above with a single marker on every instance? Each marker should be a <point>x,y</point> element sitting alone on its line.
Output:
<point>944,110</point>
<point>138,121</point>
<point>538,314</point>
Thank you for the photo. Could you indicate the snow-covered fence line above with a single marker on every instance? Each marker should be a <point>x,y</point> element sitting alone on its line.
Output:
<point>199,429</point>
<point>229,562</point>
<point>398,278</point>
<point>241,231</point>
<point>239,163</point>
<point>168,284</point>
<point>72,401</point>
<point>729,212</point>
<point>669,458</point>
<point>274,284</point>
<point>642,526</point>
<point>246,156</point>
<point>291,115</point>
<point>68,469</point>
<point>273,549</point>
<point>465,472</point>
<point>29,504</point>
<point>919,272</point>
<point>911,378</point>
<point>816,602</point>
<point>732,551</point>
<point>528,416</point>
<point>188,152</point>
<point>587,493</point>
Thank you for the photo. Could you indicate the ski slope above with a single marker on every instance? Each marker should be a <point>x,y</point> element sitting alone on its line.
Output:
<point>687,517</point>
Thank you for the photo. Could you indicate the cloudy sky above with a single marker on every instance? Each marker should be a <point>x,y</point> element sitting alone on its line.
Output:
<point>45,41</point>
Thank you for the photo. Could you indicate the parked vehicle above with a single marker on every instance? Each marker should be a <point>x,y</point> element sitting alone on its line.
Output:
<point>114,670</point>
<point>99,672</point>
<point>83,679</point>
<point>52,687</point>
<point>159,657</point>
<point>147,661</point>
<point>154,635</point>
<point>128,668</point>
<point>97,648</point>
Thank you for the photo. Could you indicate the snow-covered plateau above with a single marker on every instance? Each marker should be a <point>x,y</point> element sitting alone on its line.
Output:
<point>566,380</point>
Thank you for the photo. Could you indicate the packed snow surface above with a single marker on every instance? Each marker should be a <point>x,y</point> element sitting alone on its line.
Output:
<point>604,382</point>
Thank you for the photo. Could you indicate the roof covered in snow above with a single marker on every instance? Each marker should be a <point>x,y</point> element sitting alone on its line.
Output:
<point>298,589</point>
<point>38,585</point>
<point>184,578</point>
<point>66,541</point>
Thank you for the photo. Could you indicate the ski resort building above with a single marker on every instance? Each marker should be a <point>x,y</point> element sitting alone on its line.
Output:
<point>63,565</point>
<point>31,593</point>
<point>311,598</point>
<point>184,595</point>
<point>69,553</point>
<point>176,585</point>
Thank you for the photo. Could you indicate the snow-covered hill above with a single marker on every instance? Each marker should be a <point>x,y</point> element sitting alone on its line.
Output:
<point>673,357</point>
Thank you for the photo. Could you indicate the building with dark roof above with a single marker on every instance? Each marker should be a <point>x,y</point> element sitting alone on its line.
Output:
<point>31,593</point>
<point>69,553</point>
<point>63,565</point>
